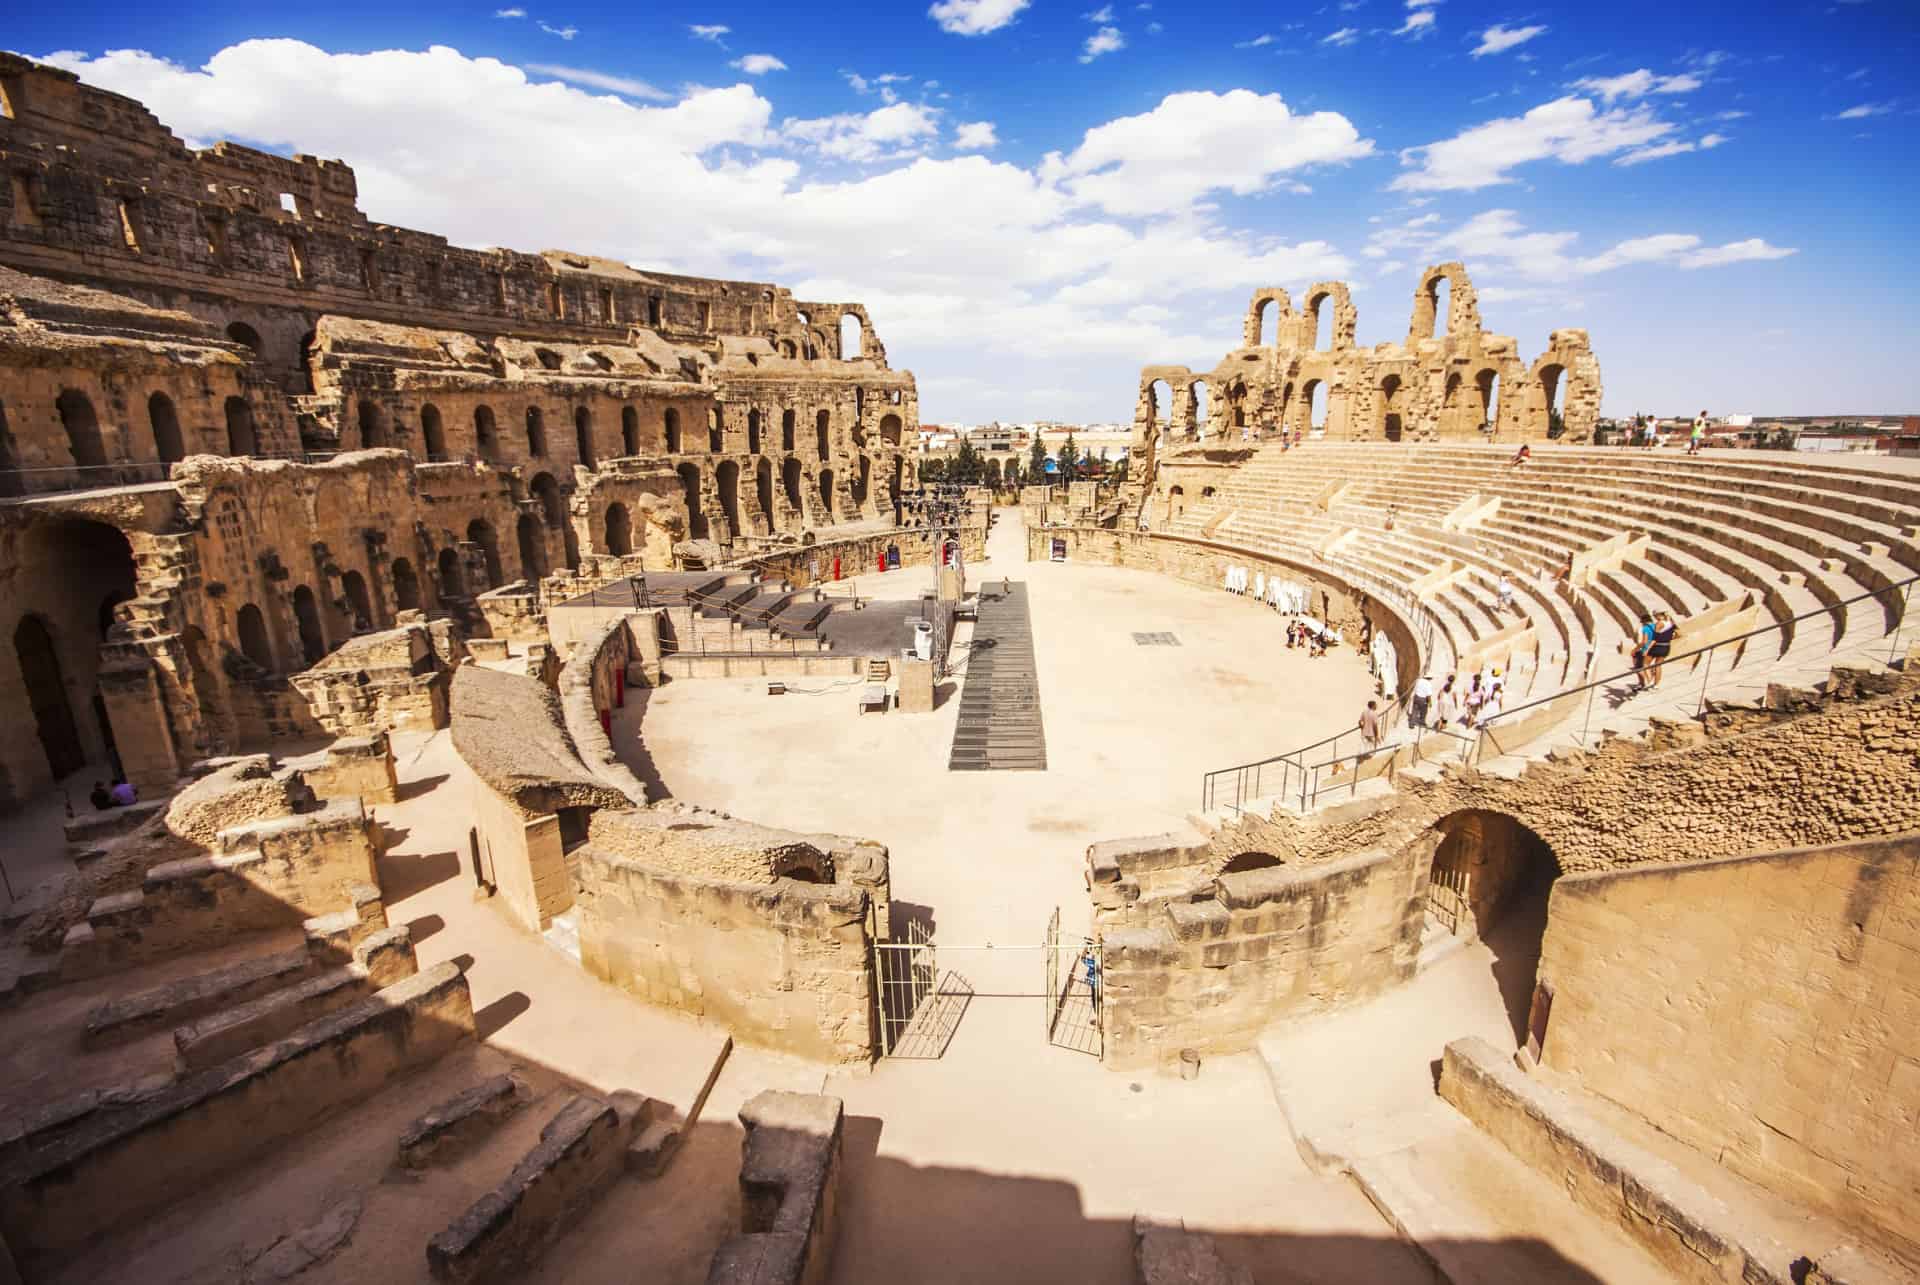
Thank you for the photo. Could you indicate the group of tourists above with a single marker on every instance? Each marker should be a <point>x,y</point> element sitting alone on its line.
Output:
<point>121,795</point>
<point>1652,645</point>
<point>1298,635</point>
<point>1431,708</point>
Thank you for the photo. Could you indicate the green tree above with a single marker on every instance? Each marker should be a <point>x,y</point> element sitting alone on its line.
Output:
<point>1037,463</point>
<point>993,473</point>
<point>966,466</point>
<point>933,471</point>
<point>1556,423</point>
<point>1069,459</point>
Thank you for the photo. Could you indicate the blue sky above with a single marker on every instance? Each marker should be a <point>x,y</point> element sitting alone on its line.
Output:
<point>1035,199</point>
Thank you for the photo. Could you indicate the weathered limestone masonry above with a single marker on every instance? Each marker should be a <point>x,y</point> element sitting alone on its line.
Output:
<point>789,1192</point>
<point>1325,907</point>
<point>402,426</point>
<point>1460,384</point>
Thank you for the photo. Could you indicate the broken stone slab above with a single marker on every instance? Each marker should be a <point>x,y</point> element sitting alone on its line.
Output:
<point>133,1016</point>
<point>295,1253</point>
<point>231,1032</point>
<point>456,1124</point>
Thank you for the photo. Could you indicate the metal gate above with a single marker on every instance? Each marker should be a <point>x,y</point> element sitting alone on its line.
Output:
<point>1447,893</point>
<point>918,1007</point>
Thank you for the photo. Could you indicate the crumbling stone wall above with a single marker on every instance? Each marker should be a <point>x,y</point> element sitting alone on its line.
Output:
<point>1763,1009</point>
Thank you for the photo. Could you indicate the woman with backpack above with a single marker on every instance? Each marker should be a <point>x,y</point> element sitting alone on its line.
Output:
<point>1661,646</point>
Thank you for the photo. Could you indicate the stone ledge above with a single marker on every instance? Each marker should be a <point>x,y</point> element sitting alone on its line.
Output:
<point>140,1014</point>
<point>789,1188</point>
<point>454,1125</point>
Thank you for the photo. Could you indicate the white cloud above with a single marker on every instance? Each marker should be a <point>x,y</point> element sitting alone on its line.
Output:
<point>1344,36</point>
<point>1499,247</point>
<point>1498,39</point>
<point>1637,84</point>
<point>565,33</point>
<point>890,133</point>
<point>758,64</point>
<point>1103,14</point>
<point>1256,43</point>
<point>1732,115</point>
<point>1710,141</point>
<point>1154,28</point>
<point>509,13</point>
<point>975,17</point>
<point>1864,110</point>
<point>1419,23</point>
<point>1104,41</point>
<point>710,31</point>
<point>1752,250</point>
<point>1568,130</point>
<point>601,80</point>
<point>1659,151</point>
<point>975,136</point>
<point>1421,4</point>
<point>1199,142</point>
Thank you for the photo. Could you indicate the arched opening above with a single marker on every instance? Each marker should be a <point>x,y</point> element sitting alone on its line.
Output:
<point>406,586</point>
<point>547,491</point>
<point>9,458</point>
<point>1390,408</point>
<point>241,333</point>
<point>583,435</point>
<point>1176,502</point>
<point>1490,881</point>
<point>46,685</point>
<point>826,494</point>
<point>306,615</point>
<point>240,435</point>
<point>763,489</point>
<point>790,483</point>
<point>727,478</point>
<point>1160,408</point>
<point>1553,389</point>
<point>1250,861</point>
<point>1440,292</point>
<point>533,550</point>
<point>536,433</point>
<point>716,436</point>
<point>619,530</point>
<point>1286,406</point>
<point>1320,308</point>
<point>890,429</point>
<point>629,431</point>
<point>673,431</point>
<point>820,423</point>
<point>353,586</point>
<point>1316,397</point>
<point>850,338</point>
<point>860,482</point>
<point>1197,408</point>
<point>433,435</point>
<point>83,429</point>
<point>307,342</point>
<point>480,532</point>
<point>753,432</point>
<point>486,436</point>
<point>168,445</point>
<point>373,425</point>
<point>254,643</point>
<point>786,430</point>
<point>690,487</point>
<point>452,583</point>
<point>1264,334</point>
<point>1450,399</point>
<point>1488,384</point>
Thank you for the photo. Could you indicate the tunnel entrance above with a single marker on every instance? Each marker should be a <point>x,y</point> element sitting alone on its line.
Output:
<point>1490,882</point>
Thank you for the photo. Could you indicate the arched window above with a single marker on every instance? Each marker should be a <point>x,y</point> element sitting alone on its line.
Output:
<point>536,433</point>
<point>533,548</point>
<point>167,442</point>
<point>432,434</point>
<point>673,431</point>
<point>728,481</point>
<point>240,436</point>
<point>486,437</point>
<point>1488,382</point>
<point>1321,309</point>
<point>716,441</point>
<point>46,687</point>
<point>850,338</point>
<point>753,432</point>
<point>1263,334</point>
<point>619,530</point>
<point>373,425</point>
<point>452,583</point>
<point>790,483</point>
<point>763,488</point>
<point>406,586</point>
<point>254,643</point>
<point>353,586</point>
<point>826,492</point>
<point>243,334</point>
<point>83,429</point>
<point>1316,391</point>
<point>820,422</point>
<point>890,429</point>
<point>629,431</point>
<point>480,532</point>
<point>306,613</point>
<point>583,435</point>
<point>786,430</point>
<point>690,488</point>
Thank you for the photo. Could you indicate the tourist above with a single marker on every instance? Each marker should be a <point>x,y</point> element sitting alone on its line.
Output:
<point>1660,645</point>
<point>1504,592</point>
<point>1391,512</point>
<point>1698,436</point>
<point>1642,640</point>
<point>1564,573</point>
<point>1476,696</point>
<point>122,793</point>
<point>1490,703</point>
<point>1422,700</point>
<point>102,800</point>
<point>1446,706</point>
<point>1370,725</point>
<point>1521,456</point>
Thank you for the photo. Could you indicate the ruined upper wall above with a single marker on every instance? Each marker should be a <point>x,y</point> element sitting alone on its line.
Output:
<point>98,190</point>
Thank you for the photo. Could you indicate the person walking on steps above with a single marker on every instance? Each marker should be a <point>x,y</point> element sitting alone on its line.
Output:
<point>1422,699</point>
<point>1370,725</point>
<point>1697,435</point>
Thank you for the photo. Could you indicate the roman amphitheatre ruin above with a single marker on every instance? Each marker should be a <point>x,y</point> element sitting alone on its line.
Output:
<point>517,887</point>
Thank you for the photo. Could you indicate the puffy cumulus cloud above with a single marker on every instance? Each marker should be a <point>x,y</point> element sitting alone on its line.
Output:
<point>1419,23</point>
<point>891,133</point>
<point>757,64</point>
<point>1710,141</point>
<point>1104,41</point>
<point>975,17</point>
<point>713,31</point>
<point>1498,39</point>
<point>1197,142</point>
<point>976,136</point>
<point>1637,84</point>
<point>1501,247</point>
<point>1569,130</point>
<point>967,262</point>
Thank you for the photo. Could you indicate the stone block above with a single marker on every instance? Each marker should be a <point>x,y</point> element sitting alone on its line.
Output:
<point>452,1127</point>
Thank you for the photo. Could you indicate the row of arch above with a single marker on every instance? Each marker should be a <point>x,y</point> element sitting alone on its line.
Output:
<point>791,486</point>
<point>87,440</point>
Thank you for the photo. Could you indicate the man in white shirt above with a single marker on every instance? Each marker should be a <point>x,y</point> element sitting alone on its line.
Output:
<point>1422,700</point>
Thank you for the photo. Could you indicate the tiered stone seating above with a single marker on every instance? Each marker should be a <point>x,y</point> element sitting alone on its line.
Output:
<point>1707,537</point>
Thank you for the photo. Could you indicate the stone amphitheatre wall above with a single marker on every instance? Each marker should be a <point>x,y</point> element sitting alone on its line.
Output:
<point>1802,768</point>
<point>1764,1009</point>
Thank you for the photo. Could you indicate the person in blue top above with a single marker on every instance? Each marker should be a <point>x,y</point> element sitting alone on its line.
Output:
<point>1660,645</point>
<point>1642,642</point>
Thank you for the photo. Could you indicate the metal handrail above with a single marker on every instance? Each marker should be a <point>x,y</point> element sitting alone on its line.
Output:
<point>1475,747</point>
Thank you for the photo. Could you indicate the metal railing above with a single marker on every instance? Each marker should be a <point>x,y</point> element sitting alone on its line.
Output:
<point>1324,767</point>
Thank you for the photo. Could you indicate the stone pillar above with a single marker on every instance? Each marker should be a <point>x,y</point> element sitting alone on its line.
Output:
<point>130,690</point>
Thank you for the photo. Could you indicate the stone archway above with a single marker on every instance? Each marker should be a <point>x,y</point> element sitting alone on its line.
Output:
<point>1489,881</point>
